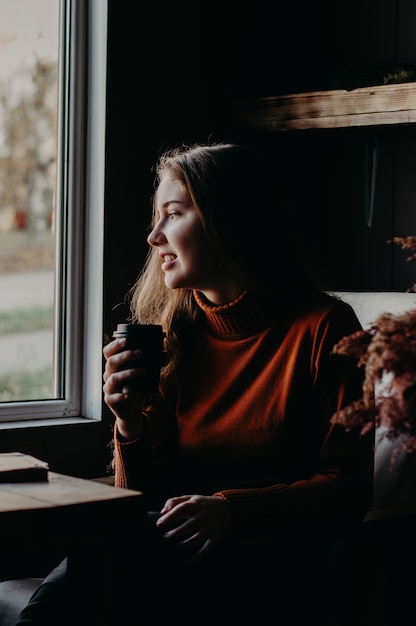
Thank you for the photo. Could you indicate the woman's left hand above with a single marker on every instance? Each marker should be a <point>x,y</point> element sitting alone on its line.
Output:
<point>196,522</point>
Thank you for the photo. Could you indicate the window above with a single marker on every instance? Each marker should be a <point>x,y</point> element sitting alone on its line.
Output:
<point>52,123</point>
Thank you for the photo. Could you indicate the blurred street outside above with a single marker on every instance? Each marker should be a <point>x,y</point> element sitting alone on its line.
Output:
<point>29,351</point>
<point>26,281</point>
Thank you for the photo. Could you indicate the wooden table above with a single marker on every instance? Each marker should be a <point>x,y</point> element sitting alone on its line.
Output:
<point>64,512</point>
<point>84,519</point>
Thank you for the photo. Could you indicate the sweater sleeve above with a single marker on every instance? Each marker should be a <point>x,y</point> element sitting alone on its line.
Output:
<point>132,461</point>
<point>129,462</point>
<point>330,498</point>
<point>339,489</point>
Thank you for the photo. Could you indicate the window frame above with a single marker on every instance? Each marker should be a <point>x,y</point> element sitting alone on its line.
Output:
<point>80,222</point>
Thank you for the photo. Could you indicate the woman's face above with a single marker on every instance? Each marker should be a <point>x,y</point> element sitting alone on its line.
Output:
<point>187,258</point>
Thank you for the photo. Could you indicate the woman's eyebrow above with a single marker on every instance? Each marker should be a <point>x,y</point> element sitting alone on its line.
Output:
<point>184,203</point>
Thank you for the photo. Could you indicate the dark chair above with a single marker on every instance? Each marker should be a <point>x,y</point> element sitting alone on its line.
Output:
<point>14,595</point>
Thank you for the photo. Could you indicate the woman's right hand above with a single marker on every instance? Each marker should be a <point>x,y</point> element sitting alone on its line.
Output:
<point>126,407</point>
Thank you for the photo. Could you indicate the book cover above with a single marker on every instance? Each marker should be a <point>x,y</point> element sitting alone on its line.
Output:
<point>20,467</point>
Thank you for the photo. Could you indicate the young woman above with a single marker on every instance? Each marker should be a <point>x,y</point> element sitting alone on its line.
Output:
<point>247,482</point>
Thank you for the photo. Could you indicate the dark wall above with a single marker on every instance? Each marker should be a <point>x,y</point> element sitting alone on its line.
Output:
<point>178,73</point>
<point>170,80</point>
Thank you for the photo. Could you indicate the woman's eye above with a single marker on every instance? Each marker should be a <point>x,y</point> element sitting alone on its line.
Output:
<point>173,214</point>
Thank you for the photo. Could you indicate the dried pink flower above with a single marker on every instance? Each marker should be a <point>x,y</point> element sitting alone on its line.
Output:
<point>387,351</point>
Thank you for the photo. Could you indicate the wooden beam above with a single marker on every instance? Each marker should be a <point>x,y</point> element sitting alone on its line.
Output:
<point>366,106</point>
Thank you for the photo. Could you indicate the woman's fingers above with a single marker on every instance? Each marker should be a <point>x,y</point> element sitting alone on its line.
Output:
<point>196,522</point>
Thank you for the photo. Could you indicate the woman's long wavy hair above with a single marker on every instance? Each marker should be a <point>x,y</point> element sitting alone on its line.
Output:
<point>243,219</point>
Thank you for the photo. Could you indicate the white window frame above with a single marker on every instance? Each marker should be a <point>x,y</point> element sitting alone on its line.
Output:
<point>80,215</point>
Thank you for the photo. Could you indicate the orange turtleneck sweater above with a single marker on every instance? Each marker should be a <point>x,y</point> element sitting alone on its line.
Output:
<point>247,415</point>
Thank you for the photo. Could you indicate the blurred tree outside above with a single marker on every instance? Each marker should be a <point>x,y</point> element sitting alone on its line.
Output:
<point>29,44</point>
<point>28,131</point>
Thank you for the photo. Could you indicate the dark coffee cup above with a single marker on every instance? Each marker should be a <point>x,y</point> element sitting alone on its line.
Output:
<point>149,338</point>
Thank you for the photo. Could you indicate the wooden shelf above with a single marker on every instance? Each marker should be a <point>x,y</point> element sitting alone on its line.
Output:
<point>366,106</point>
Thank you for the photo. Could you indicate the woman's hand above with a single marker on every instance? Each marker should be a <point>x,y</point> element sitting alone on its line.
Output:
<point>195,522</point>
<point>126,407</point>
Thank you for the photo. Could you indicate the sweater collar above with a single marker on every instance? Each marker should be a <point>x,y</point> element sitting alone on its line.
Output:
<point>245,313</point>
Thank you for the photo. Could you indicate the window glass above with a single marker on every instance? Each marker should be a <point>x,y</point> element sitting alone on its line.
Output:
<point>52,177</point>
<point>29,53</point>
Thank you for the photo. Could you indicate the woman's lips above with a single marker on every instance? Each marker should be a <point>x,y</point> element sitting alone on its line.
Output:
<point>168,261</point>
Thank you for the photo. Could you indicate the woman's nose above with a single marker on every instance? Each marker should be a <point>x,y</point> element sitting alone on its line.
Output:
<point>156,237</point>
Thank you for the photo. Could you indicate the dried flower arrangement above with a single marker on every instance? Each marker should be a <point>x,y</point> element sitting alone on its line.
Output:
<point>387,351</point>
